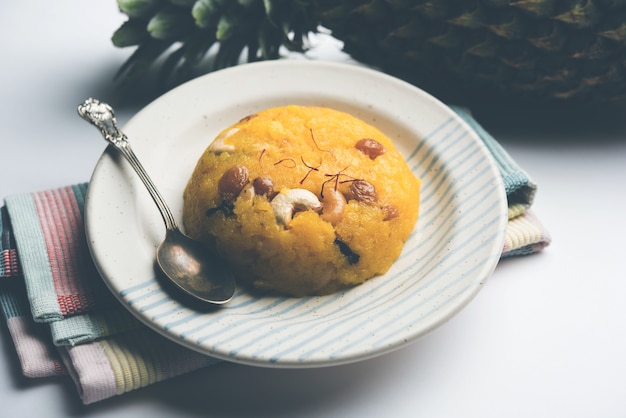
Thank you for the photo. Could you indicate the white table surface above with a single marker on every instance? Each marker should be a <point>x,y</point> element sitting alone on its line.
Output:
<point>546,337</point>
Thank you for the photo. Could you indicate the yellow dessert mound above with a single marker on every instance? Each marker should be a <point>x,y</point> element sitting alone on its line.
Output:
<point>302,200</point>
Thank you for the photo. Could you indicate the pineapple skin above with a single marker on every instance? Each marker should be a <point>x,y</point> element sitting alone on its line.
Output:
<point>537,50</point>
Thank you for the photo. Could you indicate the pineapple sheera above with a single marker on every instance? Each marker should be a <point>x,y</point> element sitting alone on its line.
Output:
<point>302,200</point>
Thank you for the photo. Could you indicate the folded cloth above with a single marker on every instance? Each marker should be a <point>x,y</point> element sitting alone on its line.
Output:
<point>62,283</point>
<point>520,189</point>
<point>64,321</point>
<point>121,362</point>
<point>525,234</point>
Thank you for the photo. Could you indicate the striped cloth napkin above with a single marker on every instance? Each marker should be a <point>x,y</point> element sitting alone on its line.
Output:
<point>525,234</point>
<point>64,321</point>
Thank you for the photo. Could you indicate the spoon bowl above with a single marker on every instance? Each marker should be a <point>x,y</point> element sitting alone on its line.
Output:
<point>187,263</point>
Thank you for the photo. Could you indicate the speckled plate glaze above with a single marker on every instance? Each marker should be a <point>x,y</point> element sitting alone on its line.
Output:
<point>452,251</point>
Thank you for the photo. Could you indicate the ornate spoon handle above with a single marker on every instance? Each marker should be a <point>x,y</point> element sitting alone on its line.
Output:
<point>102,116</point>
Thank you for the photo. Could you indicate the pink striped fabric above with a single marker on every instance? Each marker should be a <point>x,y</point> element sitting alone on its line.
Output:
<point>36,353</point>
<point>62,226</point>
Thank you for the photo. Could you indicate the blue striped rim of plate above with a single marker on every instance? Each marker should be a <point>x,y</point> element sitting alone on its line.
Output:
<point>453,250</point>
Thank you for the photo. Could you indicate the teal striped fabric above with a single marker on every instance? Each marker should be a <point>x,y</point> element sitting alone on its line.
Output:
<point>520,189</point>
<point>525,233</point>
<point>11,307</point>
<point>34,262</point>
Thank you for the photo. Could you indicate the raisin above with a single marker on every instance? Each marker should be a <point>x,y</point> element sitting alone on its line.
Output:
<point>363,191</point>
<point>232,182</point>
<point>390,212</point>
<point>227,208</point>
<point>263,186</point>
<point>370,147</point>
<point>350,255</point>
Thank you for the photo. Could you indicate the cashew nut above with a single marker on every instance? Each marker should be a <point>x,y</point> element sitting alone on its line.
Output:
<point>218,146</point>
<point>286,202</point>
<point>334,202</point>
<point>247,193</point>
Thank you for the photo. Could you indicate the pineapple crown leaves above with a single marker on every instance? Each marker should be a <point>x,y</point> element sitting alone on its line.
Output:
<point>531,48</point>
<point>188,33</point>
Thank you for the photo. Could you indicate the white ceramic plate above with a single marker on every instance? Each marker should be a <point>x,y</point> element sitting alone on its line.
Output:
<point>453,250</point>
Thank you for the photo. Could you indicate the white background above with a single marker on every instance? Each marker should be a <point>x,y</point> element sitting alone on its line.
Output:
<point>546,337</point>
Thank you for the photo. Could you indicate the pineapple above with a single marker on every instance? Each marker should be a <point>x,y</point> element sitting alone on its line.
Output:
<point>548,50</point>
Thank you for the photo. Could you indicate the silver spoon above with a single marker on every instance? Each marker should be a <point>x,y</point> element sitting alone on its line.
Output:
<point>186,262</point>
